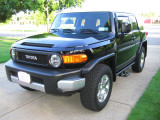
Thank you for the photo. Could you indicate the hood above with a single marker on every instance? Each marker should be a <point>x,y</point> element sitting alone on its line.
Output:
<point>48,41</point>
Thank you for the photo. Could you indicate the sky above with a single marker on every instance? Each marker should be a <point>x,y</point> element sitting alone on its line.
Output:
<point>132,6</point>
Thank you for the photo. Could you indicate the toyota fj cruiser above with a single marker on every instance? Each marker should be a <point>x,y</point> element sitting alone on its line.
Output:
<point>83,52</point>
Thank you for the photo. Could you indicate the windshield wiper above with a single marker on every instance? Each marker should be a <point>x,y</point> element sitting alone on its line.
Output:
<point>89,31</point>
<point>68,30</point>
<point>55,30</point>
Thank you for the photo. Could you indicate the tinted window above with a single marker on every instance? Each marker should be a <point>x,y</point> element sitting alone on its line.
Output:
<point>133,22</point>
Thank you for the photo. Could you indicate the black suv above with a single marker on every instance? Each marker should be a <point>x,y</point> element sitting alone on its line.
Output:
<point>83,52</point>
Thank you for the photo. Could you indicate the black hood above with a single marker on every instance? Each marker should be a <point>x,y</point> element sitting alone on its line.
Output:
<point>48,41</point>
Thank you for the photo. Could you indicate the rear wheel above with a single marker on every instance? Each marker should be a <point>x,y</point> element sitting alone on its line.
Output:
<point>27,88</point>
<point>96,93</point>
<point>140,61</point>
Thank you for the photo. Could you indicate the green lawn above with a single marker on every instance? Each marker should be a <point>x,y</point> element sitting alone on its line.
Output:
<point>24,30</point>
<point>1,24</point>
<point>7,38</point>
<point>4,50</point>
<point>148,106</point>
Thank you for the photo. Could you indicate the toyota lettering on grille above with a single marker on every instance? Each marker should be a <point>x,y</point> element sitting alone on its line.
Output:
<point>31,57</point>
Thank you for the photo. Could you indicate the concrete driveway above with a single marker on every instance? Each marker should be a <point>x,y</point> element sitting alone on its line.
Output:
<point>19,104</point>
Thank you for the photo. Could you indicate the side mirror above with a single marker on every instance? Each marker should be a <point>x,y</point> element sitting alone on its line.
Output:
<point>126,27</point>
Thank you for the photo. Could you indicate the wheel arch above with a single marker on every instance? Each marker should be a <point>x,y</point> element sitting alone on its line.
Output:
<point>144,44</point>
<point>112,64</point>
<point>108,60</point>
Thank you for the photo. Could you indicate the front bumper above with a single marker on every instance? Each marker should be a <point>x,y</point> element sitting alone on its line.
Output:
<point>46,79</point>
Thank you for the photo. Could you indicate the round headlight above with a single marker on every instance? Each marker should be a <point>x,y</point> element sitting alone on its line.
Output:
<point>55,60</point>
<point>13,54</point>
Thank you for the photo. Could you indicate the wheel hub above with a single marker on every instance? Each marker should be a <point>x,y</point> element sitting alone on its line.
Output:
<point>142,59</point>
<point>103,88</point>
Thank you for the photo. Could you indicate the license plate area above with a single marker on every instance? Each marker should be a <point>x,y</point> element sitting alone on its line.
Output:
<point>24,77</point>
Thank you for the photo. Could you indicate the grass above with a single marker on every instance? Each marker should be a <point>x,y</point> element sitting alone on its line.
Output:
<point>4,50</point>
<point>1,24</point>
<point>7,38</point>
<point>148,106</point>
<point>24,30</point>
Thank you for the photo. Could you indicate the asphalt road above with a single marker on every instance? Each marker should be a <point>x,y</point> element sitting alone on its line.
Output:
<point>19,104</point>
<point>154,34</point>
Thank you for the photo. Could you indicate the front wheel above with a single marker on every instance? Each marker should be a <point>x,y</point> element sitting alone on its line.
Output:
<point>139,61</point>
<point>96,93</point>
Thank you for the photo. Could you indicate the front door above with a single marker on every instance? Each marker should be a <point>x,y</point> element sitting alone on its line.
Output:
<point>126,45</point>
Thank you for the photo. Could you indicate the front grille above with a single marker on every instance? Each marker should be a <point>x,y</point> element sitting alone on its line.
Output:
<point>40,59</point>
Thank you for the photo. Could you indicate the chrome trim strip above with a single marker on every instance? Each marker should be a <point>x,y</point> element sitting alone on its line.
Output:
<point>71,84</point>
<point>32,85</point>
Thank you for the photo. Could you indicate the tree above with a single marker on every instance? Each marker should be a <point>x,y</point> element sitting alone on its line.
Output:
<point>150,14</point>
<point>48,6</point>
<point>7,9</point>
<point>11,7</point>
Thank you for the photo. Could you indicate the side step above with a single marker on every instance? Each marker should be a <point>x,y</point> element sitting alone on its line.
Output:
<point>124,74</point>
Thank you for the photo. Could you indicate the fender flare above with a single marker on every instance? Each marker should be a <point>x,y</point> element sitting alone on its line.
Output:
<point>143,43</point>
<point>89,66</point>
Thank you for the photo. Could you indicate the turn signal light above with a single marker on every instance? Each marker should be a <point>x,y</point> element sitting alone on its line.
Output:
<point>74,58</point>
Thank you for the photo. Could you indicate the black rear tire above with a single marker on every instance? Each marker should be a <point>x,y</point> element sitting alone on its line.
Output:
<point>138,66</point>
<point>89,94</point>
<point>27,88</point>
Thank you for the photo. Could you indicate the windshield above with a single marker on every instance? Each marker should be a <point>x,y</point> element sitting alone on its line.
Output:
<point>85,22</point>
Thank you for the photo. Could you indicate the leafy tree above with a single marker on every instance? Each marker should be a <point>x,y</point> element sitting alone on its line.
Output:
<point>40,17</point>
<point>150,14</point>
<point>7,9</point>
<point>11,7</point>
<point>48,6</point>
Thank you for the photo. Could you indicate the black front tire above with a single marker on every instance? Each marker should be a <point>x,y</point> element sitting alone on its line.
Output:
<point>138,66</point>
<point>89,94</point>
<point>27,88</point>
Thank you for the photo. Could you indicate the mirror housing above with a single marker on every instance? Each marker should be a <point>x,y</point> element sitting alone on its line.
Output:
<point>126,27</point>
